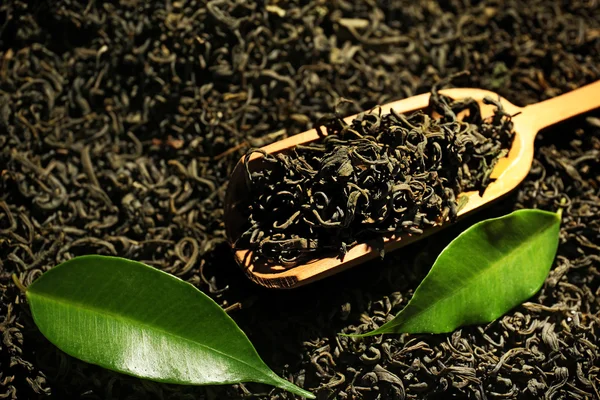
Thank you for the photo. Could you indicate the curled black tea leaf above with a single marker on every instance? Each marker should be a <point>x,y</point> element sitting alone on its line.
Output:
<point>378,175</point>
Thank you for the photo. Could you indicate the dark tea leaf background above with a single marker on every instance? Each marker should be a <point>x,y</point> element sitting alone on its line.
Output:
<point>120,123</point>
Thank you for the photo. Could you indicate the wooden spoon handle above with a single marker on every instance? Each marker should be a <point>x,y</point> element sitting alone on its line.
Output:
<point>568,105</point>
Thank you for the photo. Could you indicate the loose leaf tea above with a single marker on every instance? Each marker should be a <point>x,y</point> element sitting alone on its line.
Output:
<point>379,175</point>
<point>489,269</point>
<point>131,318</point>
<point>178,92</point>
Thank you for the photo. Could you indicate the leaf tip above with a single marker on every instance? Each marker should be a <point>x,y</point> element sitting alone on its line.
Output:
<point>349,335</point>
<point>360,335</point>
<point>292,388</point>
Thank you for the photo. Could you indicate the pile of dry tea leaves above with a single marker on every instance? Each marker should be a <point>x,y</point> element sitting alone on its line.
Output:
<point>121,121</point>
<point>378,175</point>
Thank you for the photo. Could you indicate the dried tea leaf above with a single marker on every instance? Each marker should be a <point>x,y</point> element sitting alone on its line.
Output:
<point>376,175</point>
<point>487,270</point>
<point>134,319</point>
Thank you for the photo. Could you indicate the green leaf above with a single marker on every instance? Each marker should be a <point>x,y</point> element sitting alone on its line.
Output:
<point>487,270</point>
<point>131,318</point>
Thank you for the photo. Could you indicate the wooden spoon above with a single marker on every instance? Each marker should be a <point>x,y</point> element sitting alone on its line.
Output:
<point>509,172</point>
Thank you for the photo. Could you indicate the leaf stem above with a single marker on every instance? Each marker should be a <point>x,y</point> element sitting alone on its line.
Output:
<point>18,283</point>
<point>561,207</point>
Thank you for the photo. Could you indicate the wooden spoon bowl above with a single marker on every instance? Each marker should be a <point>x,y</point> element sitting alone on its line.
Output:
<point>508,173</point>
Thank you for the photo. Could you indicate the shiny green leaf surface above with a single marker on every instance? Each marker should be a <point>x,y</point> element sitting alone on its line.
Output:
<point>487,270</point>
<point>131,318</point>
